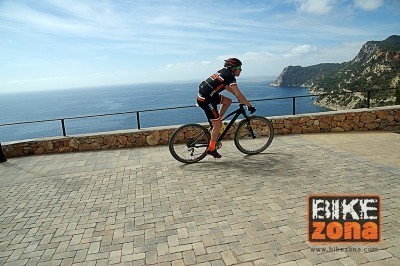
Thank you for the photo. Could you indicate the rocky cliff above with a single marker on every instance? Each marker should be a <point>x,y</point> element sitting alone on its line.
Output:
<point>376,67</point>
<point>298,76</point>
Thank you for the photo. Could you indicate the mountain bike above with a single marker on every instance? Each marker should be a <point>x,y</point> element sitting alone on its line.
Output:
<point>252,135</point>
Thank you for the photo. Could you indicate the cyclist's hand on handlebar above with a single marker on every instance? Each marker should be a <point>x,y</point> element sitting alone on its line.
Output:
<point>251,109</point>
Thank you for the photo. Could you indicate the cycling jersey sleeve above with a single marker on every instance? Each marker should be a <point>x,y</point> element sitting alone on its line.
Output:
<point>216,83</point>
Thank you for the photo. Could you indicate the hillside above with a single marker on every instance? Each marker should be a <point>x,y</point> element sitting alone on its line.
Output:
<point>376,66</point>
<point>303,76</point>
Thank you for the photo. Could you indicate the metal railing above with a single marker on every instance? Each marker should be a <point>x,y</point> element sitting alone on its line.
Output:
<point>64,131</point>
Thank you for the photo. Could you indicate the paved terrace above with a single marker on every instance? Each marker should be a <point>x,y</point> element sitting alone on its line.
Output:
<point>140,207</point>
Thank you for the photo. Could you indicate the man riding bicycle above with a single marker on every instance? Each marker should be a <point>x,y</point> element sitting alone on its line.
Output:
<point>209,98</point>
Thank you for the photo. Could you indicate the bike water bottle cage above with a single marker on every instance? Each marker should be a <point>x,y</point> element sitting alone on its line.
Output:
<point>223,126</point>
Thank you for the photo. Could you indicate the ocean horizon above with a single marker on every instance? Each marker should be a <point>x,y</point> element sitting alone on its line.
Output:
<point>68,103</point>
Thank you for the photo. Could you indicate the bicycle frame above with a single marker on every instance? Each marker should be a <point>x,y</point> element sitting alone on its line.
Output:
<point>237,113</point>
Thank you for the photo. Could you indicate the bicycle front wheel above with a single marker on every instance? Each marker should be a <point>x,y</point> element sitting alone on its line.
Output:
<point>253,135</point>
<point>189,143</point>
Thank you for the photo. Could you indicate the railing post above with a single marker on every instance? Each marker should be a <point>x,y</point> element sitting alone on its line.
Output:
<point>294,105</point>
<point>138,120</point>
<point>63,127</point>
<point>368,98</point>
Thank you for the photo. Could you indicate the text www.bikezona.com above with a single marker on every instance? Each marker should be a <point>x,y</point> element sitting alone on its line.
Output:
<point>344,249</point>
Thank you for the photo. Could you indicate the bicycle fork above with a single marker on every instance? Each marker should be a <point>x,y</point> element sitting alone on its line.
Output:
<point>250,130</point>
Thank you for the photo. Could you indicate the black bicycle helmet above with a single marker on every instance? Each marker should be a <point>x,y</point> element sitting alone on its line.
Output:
<point>232,62</point>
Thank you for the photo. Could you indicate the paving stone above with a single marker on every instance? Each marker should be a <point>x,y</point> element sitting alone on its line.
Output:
<point>138,206</point>
<point>229,257</point>
<point>189,257</point>
<point>379,255</point>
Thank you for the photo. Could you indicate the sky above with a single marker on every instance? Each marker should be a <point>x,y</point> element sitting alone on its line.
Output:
<point>57,44</point>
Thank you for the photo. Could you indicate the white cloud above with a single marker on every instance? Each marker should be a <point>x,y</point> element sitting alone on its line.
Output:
<point>65,23</point>
<point>261,63</point>
<point>255,64</point>
<point>175,39</point>
<point>316,7</point>
<point>368,5</point>
<point>301,50</point>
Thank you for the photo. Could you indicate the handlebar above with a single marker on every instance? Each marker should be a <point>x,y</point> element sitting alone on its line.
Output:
<point>243,105</point>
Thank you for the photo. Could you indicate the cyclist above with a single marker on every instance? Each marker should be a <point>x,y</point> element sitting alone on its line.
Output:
<point>209,98</point>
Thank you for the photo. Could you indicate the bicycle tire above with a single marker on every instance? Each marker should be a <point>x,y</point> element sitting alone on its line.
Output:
<point>189,143</point>
<point>259,127</point>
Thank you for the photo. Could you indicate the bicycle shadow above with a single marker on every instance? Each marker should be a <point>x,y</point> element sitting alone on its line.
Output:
<point>253,173</point>
<point>243,163</point>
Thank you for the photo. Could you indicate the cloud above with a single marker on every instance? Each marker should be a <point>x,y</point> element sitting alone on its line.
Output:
<point>176,39</point>
<point>368,5</point>
<point>316,7</point>
<point>301,50</point>
<point>261,63</point>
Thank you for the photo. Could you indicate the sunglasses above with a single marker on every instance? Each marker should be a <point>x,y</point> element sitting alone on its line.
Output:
<point>240,68</point>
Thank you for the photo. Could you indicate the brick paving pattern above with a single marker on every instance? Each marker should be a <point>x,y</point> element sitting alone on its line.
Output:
<point>140,207</point>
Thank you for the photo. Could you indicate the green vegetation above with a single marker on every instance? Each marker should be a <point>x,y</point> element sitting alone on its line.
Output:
<point>376,67</point>
<point>390,44</point>
<point>303,76</point>
<point>397,95</point>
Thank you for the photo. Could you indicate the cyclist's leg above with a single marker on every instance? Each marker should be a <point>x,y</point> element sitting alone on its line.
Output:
<point>211,110</point>
<point>214,132</point>
<point>217,123</point>
<point>225,103</point>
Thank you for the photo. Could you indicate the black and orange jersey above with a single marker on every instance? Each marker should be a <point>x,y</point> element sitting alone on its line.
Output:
<point>216,83</point>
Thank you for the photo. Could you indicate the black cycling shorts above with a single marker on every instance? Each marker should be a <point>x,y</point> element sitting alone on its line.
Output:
<point>210,106</point>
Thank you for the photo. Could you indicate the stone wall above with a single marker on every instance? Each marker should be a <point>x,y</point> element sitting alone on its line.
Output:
<point>382,118</point>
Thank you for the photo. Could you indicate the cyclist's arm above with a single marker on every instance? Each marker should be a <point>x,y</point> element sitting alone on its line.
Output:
<point>234,89</point>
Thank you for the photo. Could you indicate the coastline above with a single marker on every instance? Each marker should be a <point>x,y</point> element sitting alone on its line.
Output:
<point>56,105</point>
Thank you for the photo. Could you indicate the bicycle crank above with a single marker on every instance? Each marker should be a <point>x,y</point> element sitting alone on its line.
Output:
<point>218,145</point>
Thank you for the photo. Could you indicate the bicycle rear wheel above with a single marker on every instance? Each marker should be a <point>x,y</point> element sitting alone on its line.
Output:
<point>254,135</point>
<point>189,143</point>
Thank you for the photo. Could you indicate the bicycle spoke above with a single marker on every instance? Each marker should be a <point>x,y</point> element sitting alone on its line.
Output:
<point>189,143</point>
<point>254,136</point>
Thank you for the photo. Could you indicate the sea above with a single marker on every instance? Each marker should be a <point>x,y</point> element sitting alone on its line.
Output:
<point>127,100</point>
